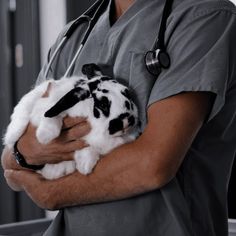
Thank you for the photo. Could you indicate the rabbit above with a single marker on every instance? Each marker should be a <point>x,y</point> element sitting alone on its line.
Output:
<point>105,103</point>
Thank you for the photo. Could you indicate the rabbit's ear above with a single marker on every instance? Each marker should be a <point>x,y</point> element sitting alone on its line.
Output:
<point>67,101</point>
<point>91,70</point>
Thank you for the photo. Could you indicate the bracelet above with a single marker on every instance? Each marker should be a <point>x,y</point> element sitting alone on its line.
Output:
<point>21,160</point>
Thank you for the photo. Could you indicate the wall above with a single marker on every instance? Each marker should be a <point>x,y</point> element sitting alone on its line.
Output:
<point>52,20</point>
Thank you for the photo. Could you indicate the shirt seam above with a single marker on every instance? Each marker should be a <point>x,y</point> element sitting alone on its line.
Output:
<point>209,11</point>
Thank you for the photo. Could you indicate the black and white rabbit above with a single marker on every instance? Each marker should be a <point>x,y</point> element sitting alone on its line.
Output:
<point>106,103</point>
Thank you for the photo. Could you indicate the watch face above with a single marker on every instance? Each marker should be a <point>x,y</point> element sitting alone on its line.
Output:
<point>19,158</point>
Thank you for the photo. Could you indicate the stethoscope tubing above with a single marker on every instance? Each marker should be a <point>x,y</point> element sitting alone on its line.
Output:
<point>73,60</point>
<point>65,38</point>
<point>91,16</point>
<point>91,22</point>
<point>60,45</point>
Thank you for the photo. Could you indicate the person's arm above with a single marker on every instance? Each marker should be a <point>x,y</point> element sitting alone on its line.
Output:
<point>141,166</point>
<point>60,149</point>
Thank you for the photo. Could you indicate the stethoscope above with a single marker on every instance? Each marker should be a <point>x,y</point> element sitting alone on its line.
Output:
<point>155,60</point>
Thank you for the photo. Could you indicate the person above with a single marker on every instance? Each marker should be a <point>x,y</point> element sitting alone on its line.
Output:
<point>173,179</point>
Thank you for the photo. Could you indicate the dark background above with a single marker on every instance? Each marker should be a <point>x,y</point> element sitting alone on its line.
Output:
<point>21,27</point>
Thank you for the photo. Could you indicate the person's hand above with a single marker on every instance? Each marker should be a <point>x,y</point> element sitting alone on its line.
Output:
<point>59,149</point>
<point>9,163</point>
<point>38,189</point>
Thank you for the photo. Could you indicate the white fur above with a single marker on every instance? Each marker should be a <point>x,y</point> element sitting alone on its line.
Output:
<point>33,106</point>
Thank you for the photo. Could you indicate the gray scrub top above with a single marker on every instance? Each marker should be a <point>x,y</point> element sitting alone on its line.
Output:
<point>201,37</point>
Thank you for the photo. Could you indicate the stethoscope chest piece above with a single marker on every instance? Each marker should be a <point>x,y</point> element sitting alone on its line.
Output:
<point>156,60</point>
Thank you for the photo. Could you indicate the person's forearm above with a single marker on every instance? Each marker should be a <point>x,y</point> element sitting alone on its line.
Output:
<point>143,165</point>
<point>125,172</point>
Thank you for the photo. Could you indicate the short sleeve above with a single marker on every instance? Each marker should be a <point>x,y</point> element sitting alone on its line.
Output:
<point>203,54</point>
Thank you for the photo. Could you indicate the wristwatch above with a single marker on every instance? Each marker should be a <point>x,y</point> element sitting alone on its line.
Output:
<point>21,160</point>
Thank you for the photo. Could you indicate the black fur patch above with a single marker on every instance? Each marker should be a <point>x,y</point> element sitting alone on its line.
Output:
<point>124,115</point>
<point>116,125</point>
<point>126,93</point>
<point>103,90</point>
<point>131,121</point>
<point>67,101</point>
<point>79,82</point>
<point>91,70</point>
<point>96,113</point>
<point>106,78</point>
<point>103,104</point>
<point>93,85</point>
<point>127,105</point>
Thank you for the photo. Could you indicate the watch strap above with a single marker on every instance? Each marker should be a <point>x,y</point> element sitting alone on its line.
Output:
<point>21,160</point>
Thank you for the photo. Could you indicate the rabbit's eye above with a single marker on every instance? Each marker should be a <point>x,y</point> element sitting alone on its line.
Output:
<point>103,104</point>
<point>103,90</point>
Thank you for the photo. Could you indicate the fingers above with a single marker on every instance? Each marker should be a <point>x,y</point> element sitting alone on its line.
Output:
<point>66,151</point>
<point>76,132</point>
<point>20,179</point>
<point>73,146</point>
<point>69,122</point>
<point>61,152</point>
<point>19,175</point>
<point>40,190</point>
<point>28,143</point>
<point>60,149</point>
<point>14,186</point>
<point>69,156</point>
